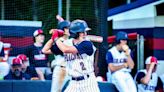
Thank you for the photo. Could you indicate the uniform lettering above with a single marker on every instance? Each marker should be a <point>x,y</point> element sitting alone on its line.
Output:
<point>119,60</point>
<point>148,87</point>
<point>69,57</point>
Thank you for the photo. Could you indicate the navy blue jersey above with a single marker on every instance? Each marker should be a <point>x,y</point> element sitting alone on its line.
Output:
<point>36,57</point>
<point>23,76</point>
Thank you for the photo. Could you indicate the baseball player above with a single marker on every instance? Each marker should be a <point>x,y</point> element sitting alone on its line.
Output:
<point>120,64</point>
<point>59,64</point>
<point>4,54</point>
<point>79,54</point>
<point>147,80</point>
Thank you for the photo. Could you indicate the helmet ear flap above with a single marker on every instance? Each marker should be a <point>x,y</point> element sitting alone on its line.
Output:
<point>117,41</point>
<point>74,35</point>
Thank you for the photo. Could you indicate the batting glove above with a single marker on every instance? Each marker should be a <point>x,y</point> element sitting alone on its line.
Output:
<point>56,33</point>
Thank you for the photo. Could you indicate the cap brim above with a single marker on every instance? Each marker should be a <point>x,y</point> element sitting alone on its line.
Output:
<point>39,34</point>
<point>16,64</point>
<point>87,29</point>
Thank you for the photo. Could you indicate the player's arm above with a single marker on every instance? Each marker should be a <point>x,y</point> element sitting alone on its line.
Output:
<point>130,61</point>
<point>65,48</point>
<point>46,49</point>
<point>146,79</point>
<point>116,68</point>
<point>48,46</point>
<point>109,59</point>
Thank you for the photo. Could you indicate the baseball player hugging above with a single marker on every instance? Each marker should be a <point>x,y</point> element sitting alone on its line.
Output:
<point>79,54</point>
<point>120,64</point>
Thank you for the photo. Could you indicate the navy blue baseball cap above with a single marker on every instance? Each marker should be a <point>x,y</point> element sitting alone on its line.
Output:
<point>121,36</point>
<point>63,24</point>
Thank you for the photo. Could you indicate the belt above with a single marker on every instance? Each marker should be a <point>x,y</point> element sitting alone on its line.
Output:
<point>80,78</point>
<point>60,66</point>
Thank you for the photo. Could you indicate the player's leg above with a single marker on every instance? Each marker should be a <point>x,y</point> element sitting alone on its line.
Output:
<point>73,86</point>
<point>62,75</point>
<point>118,79</point>
<point>55,79</point>
<point>89,85</point>
<point>130,83</point>
<point>65,82</point>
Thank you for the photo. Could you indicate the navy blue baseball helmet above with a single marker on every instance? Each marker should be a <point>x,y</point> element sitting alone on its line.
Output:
<point>63,24</point>
<point>121,36</point>
<point>79,26</point>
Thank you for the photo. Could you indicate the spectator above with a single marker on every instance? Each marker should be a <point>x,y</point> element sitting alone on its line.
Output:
<point>29,69</point>
<point>36,57</point>
<point>16,72</point>
<point>120,63</point>
<point>147,80</point>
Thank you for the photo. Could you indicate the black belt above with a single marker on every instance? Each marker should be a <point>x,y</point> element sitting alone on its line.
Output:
<point>79,78</point>
<point>60,66</point>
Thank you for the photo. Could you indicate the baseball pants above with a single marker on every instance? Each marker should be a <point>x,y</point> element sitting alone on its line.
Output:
<point>124,82</point>
<point>58,76</point>
<point>87,85</point>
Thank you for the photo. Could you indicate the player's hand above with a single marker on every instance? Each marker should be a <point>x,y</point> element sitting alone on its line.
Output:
<point>125,65</point>
<point>34,78</point>
<point>152,65</point>
<point>153,62</point>
<point>59,18</point>
<point>126,49</point>
<point>56,33</point>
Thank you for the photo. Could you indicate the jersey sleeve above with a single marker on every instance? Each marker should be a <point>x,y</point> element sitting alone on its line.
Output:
<point>140,75</point>
<point>131,54</point>
<point>109,57</point>
<point>159,84</point>
<point>2,53</point>
<point>56,50</point>
<point>85,47</point>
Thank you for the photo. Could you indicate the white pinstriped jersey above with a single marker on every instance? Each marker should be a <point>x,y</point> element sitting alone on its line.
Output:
<point>79,64</point>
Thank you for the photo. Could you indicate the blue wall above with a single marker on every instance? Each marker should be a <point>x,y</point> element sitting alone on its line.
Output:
<point>41,86</point>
